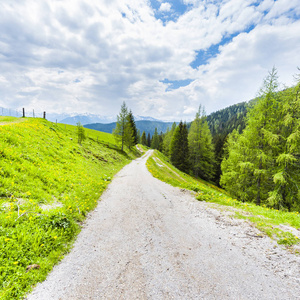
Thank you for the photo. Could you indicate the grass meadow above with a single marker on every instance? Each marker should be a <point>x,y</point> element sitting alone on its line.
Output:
<point>48,184</point>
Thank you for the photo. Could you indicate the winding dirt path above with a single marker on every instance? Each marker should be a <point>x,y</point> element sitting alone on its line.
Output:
<point>148,240</point>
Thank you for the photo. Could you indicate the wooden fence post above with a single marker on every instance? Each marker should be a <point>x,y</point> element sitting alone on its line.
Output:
<point>23,112</point>
<point>44,115</point>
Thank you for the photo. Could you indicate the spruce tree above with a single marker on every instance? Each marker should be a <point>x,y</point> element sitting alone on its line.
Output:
<point>262,164</point>
<point>149,140</point>
<point>138,136</point>
<point>286,175</point>
<point>201,148</point>
<point>160,141</point>
<point>144,139</point>
<point>155,140</point>
<point>179,151</point>
<point>167,140</point>
<point>120,132</point>
<point>132,124</point>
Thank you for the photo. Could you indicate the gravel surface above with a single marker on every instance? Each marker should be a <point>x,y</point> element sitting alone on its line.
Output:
<point>148,240</point>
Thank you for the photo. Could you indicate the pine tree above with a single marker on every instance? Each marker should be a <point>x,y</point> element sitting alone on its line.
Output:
<point>120,132</point>
<point>160,141</point>
<point>138,136</point>
<point>286,175</point>
<point>179,151</point>
<point>144,139</point>
<point>149,140</point>
<point>167,140</point>
<point>155,140</point>
<point>262,164</point>
<point>201,148</point>
<point>131,123</point>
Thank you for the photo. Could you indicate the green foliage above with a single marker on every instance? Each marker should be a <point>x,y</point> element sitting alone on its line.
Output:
<point>133,130</point>
<point>121,132</point>
<point>48,184</point>
<point>125,131</point>
<point>167,140</point>
<point>144,139</point>
<point>262,163</point>
<point>81,133</point>
<point>155,140</point>
<point>179,151</point>
<point>267,220</point>
<point>201,148</point>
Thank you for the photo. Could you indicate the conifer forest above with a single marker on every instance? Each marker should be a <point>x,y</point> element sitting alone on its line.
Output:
<point>251,149</point>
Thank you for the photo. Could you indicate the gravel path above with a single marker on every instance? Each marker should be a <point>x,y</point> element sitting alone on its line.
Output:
<point>148,240</point>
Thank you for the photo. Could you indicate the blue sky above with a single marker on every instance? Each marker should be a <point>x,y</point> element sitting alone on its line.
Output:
<point>163,58</point>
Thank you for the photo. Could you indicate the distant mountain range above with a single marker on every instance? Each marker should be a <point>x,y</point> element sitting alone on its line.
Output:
<point>70,119</point>
<point>146,125</point>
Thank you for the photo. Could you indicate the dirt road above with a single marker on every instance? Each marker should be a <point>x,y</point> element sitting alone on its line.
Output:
<point>148,240</point>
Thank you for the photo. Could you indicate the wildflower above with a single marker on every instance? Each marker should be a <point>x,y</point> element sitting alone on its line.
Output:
<point>15,263</point>
<point>55,237</point>
<point>42,245</point>
<point>7,239</point>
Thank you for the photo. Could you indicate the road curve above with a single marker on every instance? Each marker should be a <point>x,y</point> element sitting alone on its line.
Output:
<point>148,240</point>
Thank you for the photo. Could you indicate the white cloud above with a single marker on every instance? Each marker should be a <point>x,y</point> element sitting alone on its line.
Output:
<point>165,7</point>
<point>82,55</point>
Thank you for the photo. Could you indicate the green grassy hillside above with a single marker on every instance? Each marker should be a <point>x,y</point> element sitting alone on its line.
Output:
<point>268,220</point>
<point>48,184</point>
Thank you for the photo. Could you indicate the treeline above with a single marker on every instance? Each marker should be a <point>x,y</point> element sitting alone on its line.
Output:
<point>126,133</point>
<point>250,149</point>
<point>262,163</point>
<point>190,150</point>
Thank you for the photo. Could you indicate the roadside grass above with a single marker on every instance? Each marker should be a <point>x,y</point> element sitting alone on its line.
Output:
<point>143,149</point>
<point>48,184</point>
<point>282,226</point>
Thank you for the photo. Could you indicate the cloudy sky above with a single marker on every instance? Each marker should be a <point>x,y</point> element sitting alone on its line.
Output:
<point>163,58</point>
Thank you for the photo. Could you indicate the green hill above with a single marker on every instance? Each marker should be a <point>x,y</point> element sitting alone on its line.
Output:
<point>48,184</point>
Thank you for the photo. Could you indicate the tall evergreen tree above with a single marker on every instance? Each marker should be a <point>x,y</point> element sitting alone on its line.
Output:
<point>155,140</point>
<point>261,164</point>
<point>179,151</point>
<point>160,141</point>
<point>167,140</point>
<point>132,124</point>
<point>286,175</point>
<point>149,140</point>
<point>121,131</point>
<point>138,136</point>
<point>201,148</point>
<point>144,139</point>
<point>254,144</point>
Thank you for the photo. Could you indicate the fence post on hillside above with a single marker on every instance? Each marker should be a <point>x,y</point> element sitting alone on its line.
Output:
<point>44,115</point>
<point>23,112</point>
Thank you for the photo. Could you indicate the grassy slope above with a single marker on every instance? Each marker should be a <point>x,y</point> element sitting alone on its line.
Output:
<point>48,184</point>
<point>267,220</point>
